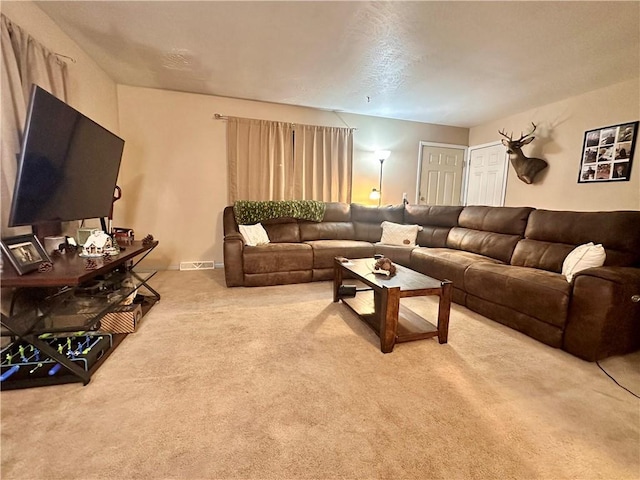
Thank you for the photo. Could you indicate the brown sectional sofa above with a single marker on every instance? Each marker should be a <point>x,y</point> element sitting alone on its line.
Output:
<point>505,263</point>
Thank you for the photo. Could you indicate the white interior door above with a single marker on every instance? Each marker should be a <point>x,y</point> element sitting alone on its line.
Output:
<point>440,177</point>
<point>487,175</point>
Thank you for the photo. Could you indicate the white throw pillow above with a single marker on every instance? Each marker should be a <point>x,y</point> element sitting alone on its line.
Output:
<point>398,234</point>
<point>254,234</point>
<point>582,257</point>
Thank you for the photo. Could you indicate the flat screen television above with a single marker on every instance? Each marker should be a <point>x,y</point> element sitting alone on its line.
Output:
<point>67,167</point>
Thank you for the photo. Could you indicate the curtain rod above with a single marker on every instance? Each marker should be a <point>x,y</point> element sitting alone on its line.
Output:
<point>217,116</point>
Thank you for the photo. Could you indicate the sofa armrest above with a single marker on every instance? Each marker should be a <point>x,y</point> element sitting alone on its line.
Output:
<point>604,316</point>
<point>233,246</point>
<point>234,236</point>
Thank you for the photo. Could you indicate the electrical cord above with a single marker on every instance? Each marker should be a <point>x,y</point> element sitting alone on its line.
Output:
<point>615,381</point>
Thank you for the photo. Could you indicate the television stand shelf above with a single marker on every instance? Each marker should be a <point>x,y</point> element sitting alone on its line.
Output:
<point>71,300</point>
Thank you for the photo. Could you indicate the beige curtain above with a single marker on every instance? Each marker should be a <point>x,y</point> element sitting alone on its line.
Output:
<point>259,156</point>
<point>24,62</point>
<point>323,158</point>
<point>322,163</point>
<point>265,162</point>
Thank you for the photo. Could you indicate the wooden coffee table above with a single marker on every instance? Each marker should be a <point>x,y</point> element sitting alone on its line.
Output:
<point>379,306</point>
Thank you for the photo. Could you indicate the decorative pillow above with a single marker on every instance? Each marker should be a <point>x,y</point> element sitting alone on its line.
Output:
<point>582,257</point>
<point>254,234</point>
<point>398,234</point>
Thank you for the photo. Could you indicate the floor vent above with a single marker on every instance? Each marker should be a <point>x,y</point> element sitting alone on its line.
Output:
<point>206,265</point>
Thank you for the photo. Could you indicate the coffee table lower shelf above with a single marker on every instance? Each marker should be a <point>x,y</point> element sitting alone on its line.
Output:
<point>411,326</point>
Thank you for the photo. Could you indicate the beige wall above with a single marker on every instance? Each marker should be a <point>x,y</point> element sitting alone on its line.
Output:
<point>559,139</point>
<point>91,90</point>
<point>174,175</point>
<point>402,138</point>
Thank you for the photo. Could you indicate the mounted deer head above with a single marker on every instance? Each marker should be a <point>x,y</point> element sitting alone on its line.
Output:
<point>526,168</point>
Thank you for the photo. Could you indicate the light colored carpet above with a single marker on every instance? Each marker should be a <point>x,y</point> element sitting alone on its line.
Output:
<point>279,382</point>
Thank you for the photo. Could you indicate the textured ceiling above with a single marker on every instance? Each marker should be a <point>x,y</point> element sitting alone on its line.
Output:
<point>451,63</point>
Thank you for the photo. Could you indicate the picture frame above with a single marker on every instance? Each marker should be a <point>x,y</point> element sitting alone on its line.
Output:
<point>607,153</point>
<point>25,252</point>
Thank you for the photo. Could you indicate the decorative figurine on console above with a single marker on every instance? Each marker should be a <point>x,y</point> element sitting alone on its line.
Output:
<point>98,244</point>
<point>384,266</point>
<point>148,240</point>
<point>90,264</point>
<point>45,267</point>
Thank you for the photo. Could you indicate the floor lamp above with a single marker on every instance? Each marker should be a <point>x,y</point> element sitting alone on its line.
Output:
<point>376,194</point>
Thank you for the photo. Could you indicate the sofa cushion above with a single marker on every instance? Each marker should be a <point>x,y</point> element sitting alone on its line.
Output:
<point>367,232</point>
<point>436,221</point>
<point>326,231</point>
<point>337,212</point>
<point>277,257</point>
<point>324,251</point>
<point>560,232</point>
<point>543,255</point>
<point>282,230</point>
<point>367,220</point>
<point>395,253</point>
<point>537,293</point>
<point>436,216</point>
<point>490,231</point>
<point>494,245</point>
<point>506,220</point>
<point>445,263</point>
<point>368,214</point>
<point>435,237</point>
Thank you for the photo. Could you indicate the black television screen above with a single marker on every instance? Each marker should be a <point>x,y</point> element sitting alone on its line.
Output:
<point>68,165</point>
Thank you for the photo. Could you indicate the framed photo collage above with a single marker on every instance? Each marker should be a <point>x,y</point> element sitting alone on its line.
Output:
<point>607,153</point>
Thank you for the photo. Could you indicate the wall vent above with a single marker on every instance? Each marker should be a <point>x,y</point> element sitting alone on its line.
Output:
<point>204,265</point>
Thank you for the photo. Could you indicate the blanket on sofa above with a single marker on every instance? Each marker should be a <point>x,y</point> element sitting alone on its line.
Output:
<point>248,212</point>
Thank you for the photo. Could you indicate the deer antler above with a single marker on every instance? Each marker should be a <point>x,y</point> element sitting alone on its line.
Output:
<point>525,135</point>
<point>504,134</point>
<point>522,135</point>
